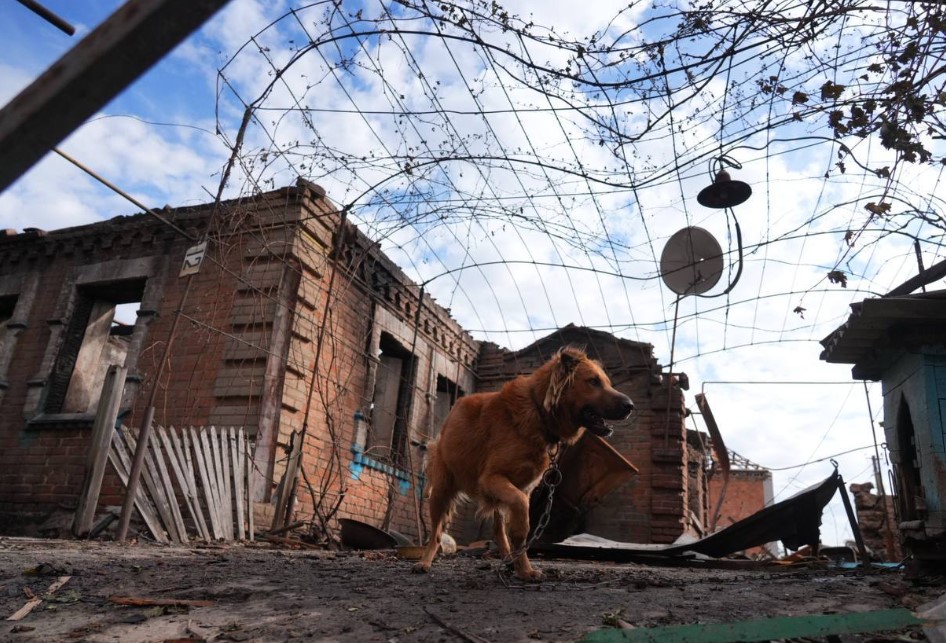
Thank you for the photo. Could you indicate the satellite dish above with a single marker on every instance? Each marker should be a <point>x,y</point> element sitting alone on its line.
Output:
<point>691,262</point>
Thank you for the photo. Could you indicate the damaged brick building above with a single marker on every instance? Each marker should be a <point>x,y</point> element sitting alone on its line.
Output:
<point>299,329</point>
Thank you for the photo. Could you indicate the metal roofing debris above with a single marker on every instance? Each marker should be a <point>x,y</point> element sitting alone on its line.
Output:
<point>795,521</point>
<point>876,324</point>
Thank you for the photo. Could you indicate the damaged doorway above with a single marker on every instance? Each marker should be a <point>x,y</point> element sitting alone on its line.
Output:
<point>907,470</point>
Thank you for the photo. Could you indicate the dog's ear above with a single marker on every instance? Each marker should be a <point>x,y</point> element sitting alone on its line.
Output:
<point>568,361</point>
<point>563,373</point>
<point>569,358</point>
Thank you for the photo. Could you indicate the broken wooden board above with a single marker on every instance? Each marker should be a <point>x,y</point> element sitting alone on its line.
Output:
<point>36,600</point>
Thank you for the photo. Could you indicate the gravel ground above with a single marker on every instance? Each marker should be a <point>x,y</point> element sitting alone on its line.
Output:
<point>258,592</point>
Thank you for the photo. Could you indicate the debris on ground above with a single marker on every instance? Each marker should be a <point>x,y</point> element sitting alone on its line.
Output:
<point>257,592</point>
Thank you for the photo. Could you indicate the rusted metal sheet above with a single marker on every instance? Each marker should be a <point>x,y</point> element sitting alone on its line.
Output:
<point>795,521</point>
<point>91,74</point>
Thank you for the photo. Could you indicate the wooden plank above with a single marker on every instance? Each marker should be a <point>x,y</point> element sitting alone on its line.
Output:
<point>213,470</point>
<point>154,489</point>
<point>208,477</point>
<point>121,461</point>
<point>164,503</point>
<point>249,488</point>
<point>775,628</point>
<point>164,455</point>
<point>284,497</point>
<point>36,600</point>
<point>222,515</point>
<point>122,464</point>
<point>106,414</point>
<point>189,484</point>
<point>170,493</point>
<point>239,495</point>
<point>225,470</point>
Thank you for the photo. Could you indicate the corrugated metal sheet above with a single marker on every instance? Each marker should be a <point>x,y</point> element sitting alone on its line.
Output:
<point>876,327</point>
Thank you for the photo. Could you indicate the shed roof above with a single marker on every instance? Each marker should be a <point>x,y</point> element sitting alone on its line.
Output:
<point>878,328</point>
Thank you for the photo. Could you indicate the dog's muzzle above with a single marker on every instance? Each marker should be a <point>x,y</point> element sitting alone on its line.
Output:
<point>598,425</point>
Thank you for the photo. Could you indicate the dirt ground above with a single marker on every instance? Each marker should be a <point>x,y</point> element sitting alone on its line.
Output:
<point>262,593</point>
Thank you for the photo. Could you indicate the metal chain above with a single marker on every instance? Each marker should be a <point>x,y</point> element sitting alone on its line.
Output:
<point>551,479</point>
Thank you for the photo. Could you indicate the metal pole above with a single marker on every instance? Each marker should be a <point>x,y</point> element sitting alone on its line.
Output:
<point>919,260</point>
<point>48,16</point>
<point>855,528</point>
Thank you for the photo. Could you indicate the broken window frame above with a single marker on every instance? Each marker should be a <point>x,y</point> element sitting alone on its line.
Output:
<point>446,393</point>
<point>84,348</point>
<point>394,387</point>
<point>81,280</point>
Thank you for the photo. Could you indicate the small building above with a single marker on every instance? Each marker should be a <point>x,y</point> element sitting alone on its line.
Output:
<point>297,328</point>
<point>900,340</point>
<point>746,490</point>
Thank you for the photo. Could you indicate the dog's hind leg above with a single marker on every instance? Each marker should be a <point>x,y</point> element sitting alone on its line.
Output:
<point>441,500</point>
<point>500,490</point>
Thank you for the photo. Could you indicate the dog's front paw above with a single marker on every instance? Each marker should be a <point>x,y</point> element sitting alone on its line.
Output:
<point>421,568</point>
<point>531,575</point>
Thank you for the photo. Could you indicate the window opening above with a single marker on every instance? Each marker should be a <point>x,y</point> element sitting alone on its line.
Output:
<point>393,388</point>
<point>447,395</point>
<point>96,336</point>
<point>7,305</point>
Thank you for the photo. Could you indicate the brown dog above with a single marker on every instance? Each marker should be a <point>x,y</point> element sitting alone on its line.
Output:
<point>494,447</point>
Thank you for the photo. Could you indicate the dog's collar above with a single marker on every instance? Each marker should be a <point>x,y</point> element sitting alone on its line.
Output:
<point>546,420</point>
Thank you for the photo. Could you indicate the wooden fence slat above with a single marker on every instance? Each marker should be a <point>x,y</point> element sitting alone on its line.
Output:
<point>192,475</point>
<point>163,455</point>
<point>206,442</point>
<point>225,469</point>
<point>188,484</point>
<point>121,461</point>
<point>222,517</point>
<point>236,458</point>
<point>163,503</point>
<point>249,488</point>
<point>148,475</point>
<point>205,466</point>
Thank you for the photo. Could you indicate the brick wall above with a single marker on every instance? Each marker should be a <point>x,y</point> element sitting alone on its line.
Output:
<point>875,517</point>
<point>279,332</point>
<point>348,295</point>
<point>748,491</point>
<point>42,456</point>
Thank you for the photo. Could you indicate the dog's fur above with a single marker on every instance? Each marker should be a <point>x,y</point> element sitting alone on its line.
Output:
<point>494,446</point>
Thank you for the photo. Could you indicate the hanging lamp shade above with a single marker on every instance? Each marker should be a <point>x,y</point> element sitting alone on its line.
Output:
<point>724,192</point>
